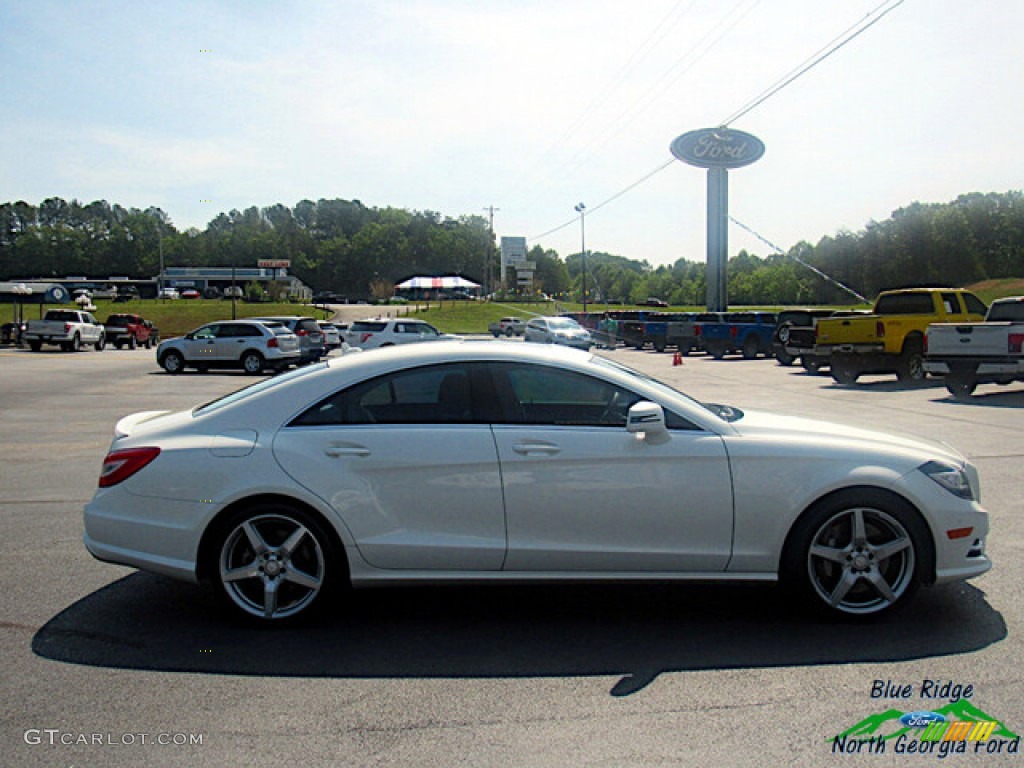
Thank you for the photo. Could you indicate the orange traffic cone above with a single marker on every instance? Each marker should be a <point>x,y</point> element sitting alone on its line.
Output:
<point>677,358</point>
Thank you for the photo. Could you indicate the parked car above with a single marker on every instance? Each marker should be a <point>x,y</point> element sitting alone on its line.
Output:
<point>127,330</point>
<point>746,333</point>
<point>311,338</point>
<point>190,293</point>
<point>507,326</point>
<point>891,338</point>
<point>70,329</point>
<point>785,322</point>
<point>969,354</point>
<point>332,336</point>
<point>558,330</point>
<point>483,462</point>
<point>10,333</point>
<point>250,345</point>
<point>384,332</point>
<point>168,293</point>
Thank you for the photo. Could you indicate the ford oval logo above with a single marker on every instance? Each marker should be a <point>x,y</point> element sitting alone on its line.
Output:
<point>921,719</point>
<point>717,148</point>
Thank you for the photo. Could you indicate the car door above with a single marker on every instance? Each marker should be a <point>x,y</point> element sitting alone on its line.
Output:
<point>408,466</point>
<point>201,345</point>
<point>583,494</point>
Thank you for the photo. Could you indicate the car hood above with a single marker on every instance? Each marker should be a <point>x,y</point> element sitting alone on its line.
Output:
<point>759,424</point>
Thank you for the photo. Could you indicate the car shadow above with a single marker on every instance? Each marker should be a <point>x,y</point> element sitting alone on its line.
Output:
<point>634,632</point>
<point>1000,398</point>
<point>887,385</point>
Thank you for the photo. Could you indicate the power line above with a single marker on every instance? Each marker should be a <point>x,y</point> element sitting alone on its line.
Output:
<point>798,260</point>
<point>817,58</point>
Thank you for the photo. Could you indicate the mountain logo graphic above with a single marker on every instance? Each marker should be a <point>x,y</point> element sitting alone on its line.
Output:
<point>893,723</point>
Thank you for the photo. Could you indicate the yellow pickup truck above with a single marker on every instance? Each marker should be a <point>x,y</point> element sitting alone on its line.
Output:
<point>891,338</point>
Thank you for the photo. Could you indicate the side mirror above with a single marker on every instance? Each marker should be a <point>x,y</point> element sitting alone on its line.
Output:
<point>647,421</point>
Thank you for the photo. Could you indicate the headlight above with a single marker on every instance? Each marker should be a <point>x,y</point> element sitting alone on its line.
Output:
<point>953,479</point>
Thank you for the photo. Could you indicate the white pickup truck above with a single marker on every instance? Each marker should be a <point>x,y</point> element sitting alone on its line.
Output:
<point>968,354</point>
<point>71,329</point>
<point>508,326</point>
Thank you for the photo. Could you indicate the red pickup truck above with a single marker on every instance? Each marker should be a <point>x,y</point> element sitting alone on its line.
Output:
<point>124,330</point>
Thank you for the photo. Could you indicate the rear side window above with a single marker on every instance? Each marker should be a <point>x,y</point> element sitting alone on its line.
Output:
<point>905,304</point>
<point>974,305</point>
<point>367,325</point>
<point>439,394</point>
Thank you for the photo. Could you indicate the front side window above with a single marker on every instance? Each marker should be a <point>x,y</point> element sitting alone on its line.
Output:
<point>551,396</point>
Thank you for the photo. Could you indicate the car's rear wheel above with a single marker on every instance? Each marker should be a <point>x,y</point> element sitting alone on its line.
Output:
<point>751,348</point>
<point>911,365</point>
<point>961,385</point>
<point>275,563</point>
<point>252,363</point>
<point>844,371</point>
<point>173,362</point>
<point>132,342</point>
<point>101,343</point>
<point>858,553</point>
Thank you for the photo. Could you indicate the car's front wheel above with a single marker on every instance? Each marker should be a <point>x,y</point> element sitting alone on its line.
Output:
<point>858,553</point>
<point>274,563</point>
<point>173,362</point>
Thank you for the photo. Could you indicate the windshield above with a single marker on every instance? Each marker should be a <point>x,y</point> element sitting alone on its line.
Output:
<point>255,389</point>
<point>564,323</point>
<point>724,412</point>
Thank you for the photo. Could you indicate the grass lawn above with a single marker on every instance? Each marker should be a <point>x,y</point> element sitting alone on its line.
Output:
<point>178,317</point>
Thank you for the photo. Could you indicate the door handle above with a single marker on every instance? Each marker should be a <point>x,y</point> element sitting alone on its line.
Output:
<point>530,449</point>
<point>337,451</point>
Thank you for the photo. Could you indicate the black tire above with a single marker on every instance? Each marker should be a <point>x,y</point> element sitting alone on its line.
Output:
<point>751,348</point>
<point>173,362</point>
<point>911,365</point>
<point>857,553</point>
<point>253,363</point>
<point>35,346</point>
<point>659,345</point>
<point>133,343</point>
<point>275,563</point>
<point>149,342</point>
<point>784,358</point>
<point>961,385</point>
<point>118,344</point>
<point>75,345</point>
<point>844,371</point>
<point>510,332</point>
<point>101,343</point>
<point>717,351</point>
<point>812,363</point>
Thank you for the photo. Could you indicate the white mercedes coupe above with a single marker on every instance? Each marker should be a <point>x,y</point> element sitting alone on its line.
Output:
<point>488,461</point>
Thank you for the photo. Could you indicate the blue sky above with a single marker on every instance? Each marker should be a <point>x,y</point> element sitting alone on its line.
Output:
<point>529,106</point>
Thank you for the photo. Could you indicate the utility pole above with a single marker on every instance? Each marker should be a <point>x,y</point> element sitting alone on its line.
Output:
<point>488,288</point>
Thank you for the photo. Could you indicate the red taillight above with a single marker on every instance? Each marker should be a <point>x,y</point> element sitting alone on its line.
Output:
<point>734,331</point>
<point>926,342</point>
<point>1014,342</point>
<point>272,342</point>
<point>120,465</point>
<point>67,327</point>
<point>880,329</point>
<point>696,330</point>
<point>301,332</point>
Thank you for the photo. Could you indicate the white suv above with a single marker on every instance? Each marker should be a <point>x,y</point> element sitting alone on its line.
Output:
<point>371,334</point>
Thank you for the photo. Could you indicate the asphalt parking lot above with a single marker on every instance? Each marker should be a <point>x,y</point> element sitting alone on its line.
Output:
<point>105,666</point>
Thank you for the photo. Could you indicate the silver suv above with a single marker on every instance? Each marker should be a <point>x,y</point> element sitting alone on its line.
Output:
<point>311,337</point>
<point>246,344</point>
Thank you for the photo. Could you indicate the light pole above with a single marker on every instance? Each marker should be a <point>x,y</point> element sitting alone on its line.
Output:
<point>579,208</point>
